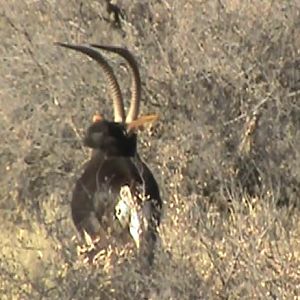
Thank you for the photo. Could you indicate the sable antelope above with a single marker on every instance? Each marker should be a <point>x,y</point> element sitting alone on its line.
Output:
<point>115,169</point>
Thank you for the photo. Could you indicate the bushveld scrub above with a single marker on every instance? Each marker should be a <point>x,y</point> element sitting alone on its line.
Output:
<point>224,76</point>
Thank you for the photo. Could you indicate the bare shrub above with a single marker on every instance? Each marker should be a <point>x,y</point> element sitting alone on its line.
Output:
<point>224,77</point>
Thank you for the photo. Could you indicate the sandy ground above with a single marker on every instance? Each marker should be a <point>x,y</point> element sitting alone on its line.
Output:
<point>224,76</point>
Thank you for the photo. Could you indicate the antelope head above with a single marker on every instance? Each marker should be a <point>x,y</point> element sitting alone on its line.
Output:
<point>117,138</point>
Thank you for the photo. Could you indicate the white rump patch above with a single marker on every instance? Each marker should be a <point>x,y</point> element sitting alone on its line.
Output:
<point>129,214</point>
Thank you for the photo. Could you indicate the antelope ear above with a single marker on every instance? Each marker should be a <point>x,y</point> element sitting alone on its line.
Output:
<point>139,123</point>
<point>97,118</point>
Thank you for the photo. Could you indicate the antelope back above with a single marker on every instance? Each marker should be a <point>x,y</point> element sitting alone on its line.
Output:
<point>97,190</point>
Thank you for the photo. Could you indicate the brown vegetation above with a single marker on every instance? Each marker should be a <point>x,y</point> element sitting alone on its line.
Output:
<point>224,76</point>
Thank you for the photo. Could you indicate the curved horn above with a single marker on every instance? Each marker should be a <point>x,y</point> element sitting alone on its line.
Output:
<point>113,86</point>
<point>136,82</point>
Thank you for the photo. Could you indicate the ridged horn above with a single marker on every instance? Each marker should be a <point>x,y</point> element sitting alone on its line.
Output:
<point>136,79</point>
<point>112,83</point>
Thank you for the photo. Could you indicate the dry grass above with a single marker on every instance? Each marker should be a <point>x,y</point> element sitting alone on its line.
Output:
<point>230,182</point>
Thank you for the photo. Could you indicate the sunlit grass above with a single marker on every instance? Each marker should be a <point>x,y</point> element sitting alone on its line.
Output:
<point>230,226</point>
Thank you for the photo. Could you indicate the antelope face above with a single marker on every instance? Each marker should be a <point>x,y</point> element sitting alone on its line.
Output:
<point>111,138</point>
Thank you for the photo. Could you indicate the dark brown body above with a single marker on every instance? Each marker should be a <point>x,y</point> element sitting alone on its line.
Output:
<point>97,190</point>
